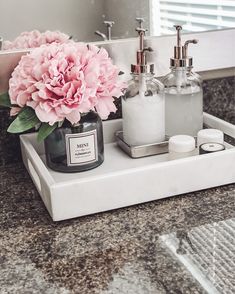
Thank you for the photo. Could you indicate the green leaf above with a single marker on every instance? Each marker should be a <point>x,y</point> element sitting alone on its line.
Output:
<point>45,130</point>
<point>5,100</point>
<point>26,120</point>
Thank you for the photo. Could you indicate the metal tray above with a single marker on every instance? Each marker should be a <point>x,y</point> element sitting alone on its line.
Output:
<point>143,150</point>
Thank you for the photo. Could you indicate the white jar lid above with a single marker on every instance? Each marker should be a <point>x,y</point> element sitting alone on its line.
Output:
<point>181,143</point>
<point>209,136</point>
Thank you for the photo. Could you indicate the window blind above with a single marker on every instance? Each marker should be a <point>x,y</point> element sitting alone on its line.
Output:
<point>194,15</point>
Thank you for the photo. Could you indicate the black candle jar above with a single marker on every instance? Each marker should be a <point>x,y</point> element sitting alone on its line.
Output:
<point>76,148</point>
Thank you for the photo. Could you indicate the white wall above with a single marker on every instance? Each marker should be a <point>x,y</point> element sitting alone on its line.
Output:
<point>213,51</point>
<point>79,18</point>
<point>123,13</point>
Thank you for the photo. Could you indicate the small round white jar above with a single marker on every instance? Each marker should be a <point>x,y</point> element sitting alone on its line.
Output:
<point>209,136</point>
<point>181,146</point>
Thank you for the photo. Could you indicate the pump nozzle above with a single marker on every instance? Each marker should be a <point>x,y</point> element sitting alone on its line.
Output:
<point>181,58</point>
<point>177,49</point>
<point>141,32</point>
<point>185,47</point>
<point>178,29</point>
<point>142,66</point>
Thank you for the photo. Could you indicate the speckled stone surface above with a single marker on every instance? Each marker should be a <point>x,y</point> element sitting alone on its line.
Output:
<point>126,251</point>
<point>219,98</point>
<point>113,252</point>
<point>9,143</point>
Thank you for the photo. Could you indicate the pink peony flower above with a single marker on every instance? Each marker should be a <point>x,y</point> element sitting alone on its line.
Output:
<point>35,39</point>
<point>64,80</point>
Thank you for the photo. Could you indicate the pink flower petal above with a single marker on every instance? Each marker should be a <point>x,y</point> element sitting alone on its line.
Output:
<point>44,116</point>
<point>73,116</point>
<point>14,111</point>
<point>64,80</point>
<point>105,106</point>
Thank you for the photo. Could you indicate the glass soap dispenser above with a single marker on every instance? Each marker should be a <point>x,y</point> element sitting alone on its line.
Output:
<point>143,105</point>
<point>183,93</point>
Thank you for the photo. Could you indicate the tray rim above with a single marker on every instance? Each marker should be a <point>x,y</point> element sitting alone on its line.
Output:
<point>25,140</point>
<point>55,195</point>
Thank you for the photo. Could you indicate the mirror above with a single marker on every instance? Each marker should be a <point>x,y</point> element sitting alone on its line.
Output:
<point>97,20</point>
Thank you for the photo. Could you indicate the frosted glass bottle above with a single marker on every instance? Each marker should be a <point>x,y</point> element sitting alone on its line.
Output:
<point>183,92</point>
<point>183,102</point>
<point>143,110</point>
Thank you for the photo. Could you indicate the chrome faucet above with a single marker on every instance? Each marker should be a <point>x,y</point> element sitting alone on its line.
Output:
<point>108,25</point>
<point>140,21</point>
<point>101,35</point>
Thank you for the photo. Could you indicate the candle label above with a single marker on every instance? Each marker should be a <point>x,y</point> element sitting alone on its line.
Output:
<point>81,148</point>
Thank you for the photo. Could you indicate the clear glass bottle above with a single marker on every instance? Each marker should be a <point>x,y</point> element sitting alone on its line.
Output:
<point>76,148</point>
<point>143,105</point>
<point>183,94</point>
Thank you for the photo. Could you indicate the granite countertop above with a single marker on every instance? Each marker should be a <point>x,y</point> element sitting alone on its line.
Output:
<point>182,244</point>
<point>165,246</point>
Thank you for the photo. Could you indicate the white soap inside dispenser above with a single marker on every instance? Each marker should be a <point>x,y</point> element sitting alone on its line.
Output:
<point>143,105</point>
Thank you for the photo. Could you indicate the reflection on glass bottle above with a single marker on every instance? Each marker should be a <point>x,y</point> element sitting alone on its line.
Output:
<point>76,148</point>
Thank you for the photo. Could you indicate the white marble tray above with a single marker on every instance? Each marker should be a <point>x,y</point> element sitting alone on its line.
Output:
<point>122,181</point>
